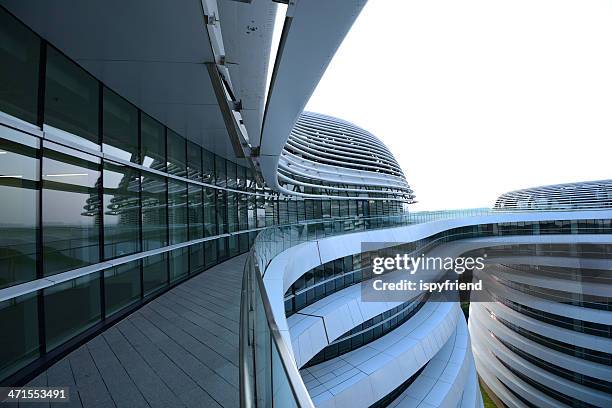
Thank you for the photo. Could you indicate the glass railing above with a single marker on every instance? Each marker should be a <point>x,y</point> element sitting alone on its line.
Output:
<point>268,373</point>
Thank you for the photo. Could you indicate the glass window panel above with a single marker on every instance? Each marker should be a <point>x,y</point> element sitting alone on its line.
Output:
<point>208,167</point>
<point>243,216</point>
<point>177,211</point>
<point>261,212</point>
<point>196,215</point>
<point>352,208</point>
<point>241,175</point>
<point>221,211</point>
<point>252,211</point>
<point>71,308</point>
<point>293,211</point>
<point>121,210</point>
<point>153,143</point>
<point>210,213</point>
<point>301,210</point>
<point>210,249</point>
<point>344,208</point>
<point>231,174</point>
<point>317,210</point>
<point>220,173</point>
<point>222,249</point>
<point>251,183</point>
<point>179,263</point>
<point>244,242</point>
<point>194,161</point>
<point>154,273</point>
<point>19,340</point>
<point>232,212</point>
<point>283,212</point>
<point>19,215</point>
<point>121,286</point>
<point>270,209</point>
<point>19,65</point>
<point>120,127</point>
<point>196,258</point>
<point>326,208</point>
<point>70,210</point>
<point>71,100</point>
<point>176,154</point>
<point>233,245</point>
<point>154,216</point>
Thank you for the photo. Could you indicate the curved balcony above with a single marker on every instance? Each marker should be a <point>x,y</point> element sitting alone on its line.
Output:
<point>269,365</point>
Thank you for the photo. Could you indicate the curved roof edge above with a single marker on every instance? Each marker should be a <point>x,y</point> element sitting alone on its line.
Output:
<point>313,31</point>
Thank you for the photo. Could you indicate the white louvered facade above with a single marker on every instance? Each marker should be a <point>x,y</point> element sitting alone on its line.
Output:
<point>330,157</point>
<point>570,196</point>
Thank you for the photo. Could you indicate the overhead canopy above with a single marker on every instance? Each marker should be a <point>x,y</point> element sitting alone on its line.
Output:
<point>153,52</point>
<point>313,32</point>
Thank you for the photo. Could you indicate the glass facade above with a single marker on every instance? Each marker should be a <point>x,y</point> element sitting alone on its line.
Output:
<point>19,71</point>
<point>19,195</point>
<point>120,127</point>
<point>72,100</point>
<point>105,181</point>
<point>71,209</point>
<point>121,204</point>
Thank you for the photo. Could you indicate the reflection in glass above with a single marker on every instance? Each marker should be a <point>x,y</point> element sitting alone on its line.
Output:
<point>241,175</point>
<point>179,263</point>
<point>19,210</point>
<point>154,272</point>
<point>120,127</point>
<point>194,161</point>
<point>177,211</point>
<point>19,62</point>
<point>220,173</point>
<point>71,308</point>
<point>243,222</point>
<point>121,286</point>
<point>121,210</point>
<point>196,216</point>
<point>154,212</point>
<point>210,250</point>
<point>232,212</point>
<point>232,245</point>
<point>19,344</point>
<point>153,143</point>
<point>71,99</point>
<point>252,211</point>
<point>210,213</point>
<point>208,167</point>
<point>70,210</point>
<point>176,154</point>
<point>196,227</point>
<point>222,249</point>
<point>221,211</point>
<point>231,174</point>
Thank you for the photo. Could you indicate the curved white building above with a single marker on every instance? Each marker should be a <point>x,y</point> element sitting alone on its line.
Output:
<point>329,157</point>
<point>569,196</point>
<point>543,336</point>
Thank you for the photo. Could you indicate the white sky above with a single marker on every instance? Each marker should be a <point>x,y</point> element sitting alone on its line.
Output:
<point>479,97</point>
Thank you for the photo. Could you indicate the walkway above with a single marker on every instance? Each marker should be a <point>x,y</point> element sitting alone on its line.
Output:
<point>179,350</point>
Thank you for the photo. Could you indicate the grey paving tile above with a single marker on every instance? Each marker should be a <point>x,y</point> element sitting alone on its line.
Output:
<point>90,384</point>
<point>179,350</point>
<point>119,384</point>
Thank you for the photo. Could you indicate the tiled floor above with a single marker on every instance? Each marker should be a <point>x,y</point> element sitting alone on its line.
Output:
<point>179,350</point>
